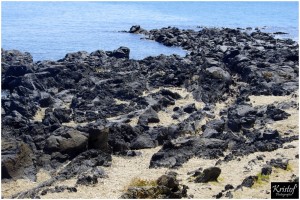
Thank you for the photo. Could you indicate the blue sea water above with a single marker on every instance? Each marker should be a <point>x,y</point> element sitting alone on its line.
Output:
<point>49,30</point>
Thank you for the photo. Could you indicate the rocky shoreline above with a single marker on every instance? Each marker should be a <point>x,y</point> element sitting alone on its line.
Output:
<point>72,117</point>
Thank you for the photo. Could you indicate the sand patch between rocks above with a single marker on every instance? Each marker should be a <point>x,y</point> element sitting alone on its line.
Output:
<point>234,172</point>
<point>39,115</point>
<point>74,124</point>
<point>13,187</point>
<point>122,171</point>
<point>119,102</point>
<point>21,185</point>
<point>133,121</point>
<point>265,100</point>
<point>291,124</point>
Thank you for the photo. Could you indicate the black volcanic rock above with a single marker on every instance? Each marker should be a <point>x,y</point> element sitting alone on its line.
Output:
<point>241,116</point>
<point>219,73</point>
<point>208,174</point>
<point>249,181</point>
<point>87,180</point>
<point>121,135</point>
<point>279,163</point>
<point>270,134</point>
<point>86,163</point>
<point>46,100</point>
<point>122,52</point>
<point>91,176</point>
<point>189,108</point>
<point>18,70</point>
<point>228,187</point>
<point>276,114</point>
<point>62,114</point>
<point>137,30</point>
<point>67,140</point>
<point>175,153</point>
<point>210,133</point>
<point>142,142</point>
<point>167,187</point>
<point>15,57</point>
<point>101,92</point>
<point>266,170</point>
<point>149,116</point>
<point>17,160</point>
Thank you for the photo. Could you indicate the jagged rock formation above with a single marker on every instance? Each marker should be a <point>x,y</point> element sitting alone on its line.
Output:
<point>87,106</point>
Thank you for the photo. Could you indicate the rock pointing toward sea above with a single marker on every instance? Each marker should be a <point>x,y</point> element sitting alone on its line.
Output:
<point>71,116</point>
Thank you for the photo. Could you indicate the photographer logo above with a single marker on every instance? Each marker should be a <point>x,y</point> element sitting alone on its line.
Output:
<point>285,190</point>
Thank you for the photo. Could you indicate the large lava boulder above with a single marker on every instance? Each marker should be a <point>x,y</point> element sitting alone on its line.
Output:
<point>17,160</point>
<point>66,140</point>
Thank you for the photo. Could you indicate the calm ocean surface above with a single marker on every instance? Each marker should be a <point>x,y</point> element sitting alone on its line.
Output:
<point>49,30</point>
